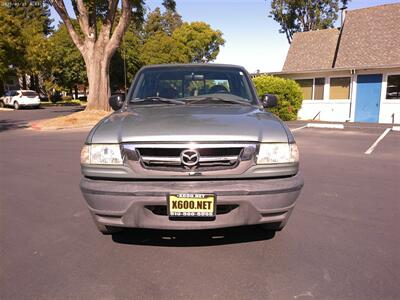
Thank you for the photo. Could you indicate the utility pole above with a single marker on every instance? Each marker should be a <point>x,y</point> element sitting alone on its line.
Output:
<point>124,58</point>
<point>343,14</point>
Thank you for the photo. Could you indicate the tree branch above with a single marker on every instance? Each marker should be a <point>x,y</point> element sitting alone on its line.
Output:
<point>62,11</point>
<point>93,20</point>
<point>109,20</point>
<point>112,8</point>
<point>83,18</point>
<point>121,27</point>
<point>288,36</point>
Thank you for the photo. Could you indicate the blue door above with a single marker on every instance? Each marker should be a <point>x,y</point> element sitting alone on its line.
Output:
<point>368,98</point>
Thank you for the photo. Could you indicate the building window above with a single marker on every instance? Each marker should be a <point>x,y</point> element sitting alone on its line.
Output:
<point>393,87</point>
<point>319,88</point>
<point>313,89</point>
<point>306,86</point>
<point>340,88</point>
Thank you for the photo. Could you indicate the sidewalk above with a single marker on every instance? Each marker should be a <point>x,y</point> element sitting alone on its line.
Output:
<point>346,125</point>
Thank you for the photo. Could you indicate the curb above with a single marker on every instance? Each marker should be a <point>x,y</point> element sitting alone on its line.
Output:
<point>396,128</point>
<point>325,125</point>
<point>35,126</point>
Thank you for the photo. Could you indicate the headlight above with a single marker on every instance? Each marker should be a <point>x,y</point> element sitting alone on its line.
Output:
<point>107,154</point>
<point>277,153</point>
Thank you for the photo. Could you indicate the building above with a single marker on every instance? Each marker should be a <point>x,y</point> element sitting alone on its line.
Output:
<point>352,73</point>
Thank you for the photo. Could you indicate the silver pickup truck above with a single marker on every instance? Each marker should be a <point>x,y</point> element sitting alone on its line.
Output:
<point>190,147</point>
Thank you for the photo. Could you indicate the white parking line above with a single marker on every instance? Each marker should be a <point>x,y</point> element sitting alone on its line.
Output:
<point>372,148</point>
<point>325,125</point>
<point>298,128</point>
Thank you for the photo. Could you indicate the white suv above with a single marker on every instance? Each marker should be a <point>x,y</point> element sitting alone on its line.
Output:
<point>20,98</point>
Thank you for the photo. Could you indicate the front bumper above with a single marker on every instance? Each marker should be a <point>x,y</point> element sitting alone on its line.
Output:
<point>29,104</point>
<point>242,202</point>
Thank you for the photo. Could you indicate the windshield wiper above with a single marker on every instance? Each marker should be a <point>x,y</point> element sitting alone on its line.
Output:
<point>219,99</point>
<point>157,99</point>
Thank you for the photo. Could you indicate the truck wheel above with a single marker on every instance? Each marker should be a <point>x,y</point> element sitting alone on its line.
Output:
<point>16,105</point>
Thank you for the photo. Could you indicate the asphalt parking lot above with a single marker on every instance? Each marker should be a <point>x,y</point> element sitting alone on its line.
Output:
<point>342,241</point>
<point>11,119</point>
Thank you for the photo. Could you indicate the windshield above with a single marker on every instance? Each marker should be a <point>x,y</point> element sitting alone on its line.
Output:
<point>191,84</point>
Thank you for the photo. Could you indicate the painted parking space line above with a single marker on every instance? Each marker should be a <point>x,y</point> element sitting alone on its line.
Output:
<point>380,138</point>
<point>325,125</point>
<point>298,128</point>
<point>320,125</point>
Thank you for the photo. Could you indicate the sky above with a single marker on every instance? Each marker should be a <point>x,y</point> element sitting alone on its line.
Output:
<point>252,39</point>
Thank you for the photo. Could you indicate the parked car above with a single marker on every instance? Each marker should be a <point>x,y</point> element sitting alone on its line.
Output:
<point>20,98</point>
<point>191,147</point>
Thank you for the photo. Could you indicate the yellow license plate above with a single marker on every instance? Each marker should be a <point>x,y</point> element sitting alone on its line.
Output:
<point>191,205</point>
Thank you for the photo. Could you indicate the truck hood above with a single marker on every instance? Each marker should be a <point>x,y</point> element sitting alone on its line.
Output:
<point>192,123</point>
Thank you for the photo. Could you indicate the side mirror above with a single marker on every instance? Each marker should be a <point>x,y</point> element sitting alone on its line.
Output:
<point>269,100</point>
<point>116,101</point>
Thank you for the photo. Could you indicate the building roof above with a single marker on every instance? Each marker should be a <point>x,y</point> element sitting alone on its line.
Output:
<point>369,38</point>
<point>312,50</point>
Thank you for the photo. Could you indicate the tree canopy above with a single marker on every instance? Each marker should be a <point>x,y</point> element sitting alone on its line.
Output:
<point>32,46</point>
<point>305,15</point>
<point>23,27</point>
<point>167,39</point>
<point>67,67</point>
<point>202,43</point>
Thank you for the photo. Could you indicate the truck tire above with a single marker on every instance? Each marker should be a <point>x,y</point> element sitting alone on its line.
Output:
<point>1,104</point>
<point>16,105</point>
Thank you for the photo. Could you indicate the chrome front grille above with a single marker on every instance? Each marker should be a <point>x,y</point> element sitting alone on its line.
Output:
<point>209,158</point>
<point>189,158</point>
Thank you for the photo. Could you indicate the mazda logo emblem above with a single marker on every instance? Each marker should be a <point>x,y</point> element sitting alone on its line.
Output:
<point>190,157</point>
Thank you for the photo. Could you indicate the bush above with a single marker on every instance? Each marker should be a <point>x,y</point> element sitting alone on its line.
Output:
<point>288,92</point>
<point>66,98</point>
<point>56,97</point>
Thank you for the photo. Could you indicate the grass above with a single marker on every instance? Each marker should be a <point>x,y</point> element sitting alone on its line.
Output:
<point>64,103</point>
<point>82,119</point>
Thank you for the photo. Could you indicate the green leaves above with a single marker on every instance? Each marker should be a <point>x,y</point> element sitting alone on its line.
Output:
<point>200,40</point>
<point>165,22</point>
<point>288,92</point>
<point>33,47</point>
<point>304,15</point>
<point>24,27</point>
<point>66,65</point>
<point>189,42</point>
<point>161,48</point>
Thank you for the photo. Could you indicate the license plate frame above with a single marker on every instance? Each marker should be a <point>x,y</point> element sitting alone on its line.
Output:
<point>186,206</point>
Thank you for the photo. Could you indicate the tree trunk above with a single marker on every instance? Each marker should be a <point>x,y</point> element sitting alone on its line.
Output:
<point>37,84</point>
<point>1,87</point>
<point>98,75</point>
<point>76,92</point>
<point>24,81</point>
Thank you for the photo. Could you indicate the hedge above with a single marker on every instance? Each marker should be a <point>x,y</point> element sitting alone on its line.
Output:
<point>288,92</point>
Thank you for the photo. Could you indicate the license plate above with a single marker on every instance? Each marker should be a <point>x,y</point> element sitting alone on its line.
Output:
<point>191,205</point>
